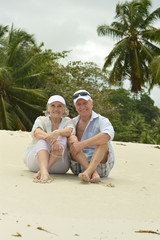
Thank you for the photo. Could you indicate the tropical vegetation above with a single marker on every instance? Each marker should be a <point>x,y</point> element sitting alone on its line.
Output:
<point>138,44</point>
<point>24,67</point>
<point>29,74</point>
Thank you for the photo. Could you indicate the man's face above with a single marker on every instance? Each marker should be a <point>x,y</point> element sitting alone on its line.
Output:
<point>84,107</point>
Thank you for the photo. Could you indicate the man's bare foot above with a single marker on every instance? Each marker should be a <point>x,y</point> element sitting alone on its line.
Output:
<point>95,178</point>
<point>84,177</point>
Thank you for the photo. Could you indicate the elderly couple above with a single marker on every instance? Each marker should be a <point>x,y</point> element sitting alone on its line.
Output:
<point>82,143</point>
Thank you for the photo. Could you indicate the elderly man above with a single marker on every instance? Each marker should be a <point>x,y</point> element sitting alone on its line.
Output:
<point>91,151</point>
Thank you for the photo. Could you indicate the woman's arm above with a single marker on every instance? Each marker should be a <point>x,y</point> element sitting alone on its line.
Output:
<point>52,137</point>
<point>66,132</point>
<point>40,134</point>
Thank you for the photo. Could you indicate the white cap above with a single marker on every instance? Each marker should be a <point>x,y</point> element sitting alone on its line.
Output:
<point>56,98</point>
<point>81,94</point>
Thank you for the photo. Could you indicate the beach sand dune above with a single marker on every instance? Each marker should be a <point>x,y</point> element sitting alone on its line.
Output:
<point>126,205</point>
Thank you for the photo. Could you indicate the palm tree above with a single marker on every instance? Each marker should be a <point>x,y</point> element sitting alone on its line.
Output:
<point>20,62</point>
<point>137,46</point>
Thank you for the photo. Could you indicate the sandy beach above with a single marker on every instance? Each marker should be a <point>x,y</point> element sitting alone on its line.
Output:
<point>126,205</point>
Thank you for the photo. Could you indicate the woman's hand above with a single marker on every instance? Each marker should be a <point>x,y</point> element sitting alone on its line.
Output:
<point>56,149</point>
<point>52,137</point>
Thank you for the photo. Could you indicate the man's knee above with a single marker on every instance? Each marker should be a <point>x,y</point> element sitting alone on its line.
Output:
<point>103,150</point>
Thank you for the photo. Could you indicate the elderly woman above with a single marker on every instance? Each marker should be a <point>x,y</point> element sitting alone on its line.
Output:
<point>48,152</point>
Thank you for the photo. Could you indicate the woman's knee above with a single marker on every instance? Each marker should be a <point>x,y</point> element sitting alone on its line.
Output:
<point>42,145</point>
<point>62,141</point>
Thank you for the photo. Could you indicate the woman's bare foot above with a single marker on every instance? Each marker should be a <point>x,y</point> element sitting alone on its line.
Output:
<point>37,175</point>
<point>95,178</point>
<point>42,177</point>
<point>45,176</point>
<point>84,177</point>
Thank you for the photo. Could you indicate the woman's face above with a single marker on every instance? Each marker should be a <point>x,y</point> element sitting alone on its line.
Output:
<point>56,109</point>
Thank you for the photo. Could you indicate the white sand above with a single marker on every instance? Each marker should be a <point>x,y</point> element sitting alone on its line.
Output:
<point>125,202</point>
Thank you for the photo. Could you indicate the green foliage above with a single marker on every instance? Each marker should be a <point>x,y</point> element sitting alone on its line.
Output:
<point>131,115</point>
<point>155,72</point>
<point>29,75</point>
<point>123,102</point>
<point>138,43</point>
<point>145,105</point>
<point>78,75</point>
<point>19,70</point>
<point>138,119</point>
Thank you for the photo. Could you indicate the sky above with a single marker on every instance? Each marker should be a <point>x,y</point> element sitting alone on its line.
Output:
<point>69,25</point>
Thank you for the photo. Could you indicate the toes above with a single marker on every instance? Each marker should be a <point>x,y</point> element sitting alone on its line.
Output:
<point>84,177</point>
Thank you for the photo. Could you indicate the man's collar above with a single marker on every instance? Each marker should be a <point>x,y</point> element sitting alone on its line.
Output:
<point>93,116</point>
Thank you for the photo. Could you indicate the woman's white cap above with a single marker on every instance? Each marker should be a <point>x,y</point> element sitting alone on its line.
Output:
<point>56,98</point>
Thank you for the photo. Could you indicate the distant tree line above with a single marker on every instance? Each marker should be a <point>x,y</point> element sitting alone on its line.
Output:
<point>29,74</point>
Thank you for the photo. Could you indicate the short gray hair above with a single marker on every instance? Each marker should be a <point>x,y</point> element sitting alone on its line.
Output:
<point>65,114</point>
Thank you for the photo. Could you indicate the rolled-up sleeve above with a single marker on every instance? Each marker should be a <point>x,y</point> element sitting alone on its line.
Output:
<point>106,127</point>
<point>71,124</point>
<point>38,124</point>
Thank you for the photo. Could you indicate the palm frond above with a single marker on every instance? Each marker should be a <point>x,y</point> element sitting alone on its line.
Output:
<point>18,123</point>
<point>120,48</point>
<point>16,39</point>
<point>121,15</point>
<point>4,118</point>
<point>115,77</point>
<point>153,34</point>
<point>155,15</point>
<point>3,30</point>
<point>32,96</point>
<point>105,30</point>
<point>28,77</point>
<point>23,118</point>
<point>155,70</point>
<point>28,65</point>
<point>146,52</point>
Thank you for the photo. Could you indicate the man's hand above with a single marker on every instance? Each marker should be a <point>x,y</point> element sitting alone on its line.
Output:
<point>76,147</point>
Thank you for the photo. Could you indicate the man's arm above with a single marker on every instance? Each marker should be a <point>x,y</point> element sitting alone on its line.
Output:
<point>99,139</point>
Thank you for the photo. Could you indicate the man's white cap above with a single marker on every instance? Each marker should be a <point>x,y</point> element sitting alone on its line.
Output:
<point>81,94</point>
<point>56,98</point>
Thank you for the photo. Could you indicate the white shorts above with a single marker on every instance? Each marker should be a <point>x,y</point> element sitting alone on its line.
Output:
<point>61,166</point>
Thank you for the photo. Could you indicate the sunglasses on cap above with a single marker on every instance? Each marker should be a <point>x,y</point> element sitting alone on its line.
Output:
<point>80,94</point>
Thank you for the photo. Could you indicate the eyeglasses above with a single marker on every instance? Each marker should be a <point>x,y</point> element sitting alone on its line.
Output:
<point>80,94</point>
